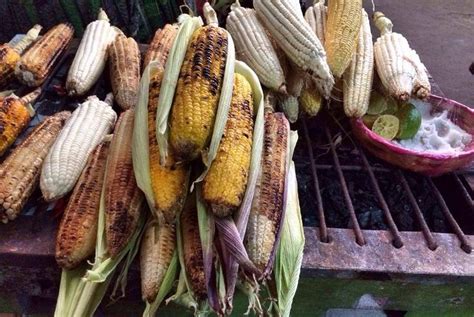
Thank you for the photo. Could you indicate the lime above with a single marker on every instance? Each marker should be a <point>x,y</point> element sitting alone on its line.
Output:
<point>369,120</point>
<point>377,103</point>
<point>392,106</point>
<point>386,126</point>
<point>410,121</point>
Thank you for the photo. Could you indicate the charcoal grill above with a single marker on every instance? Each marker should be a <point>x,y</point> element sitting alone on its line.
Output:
<point>418,257</point>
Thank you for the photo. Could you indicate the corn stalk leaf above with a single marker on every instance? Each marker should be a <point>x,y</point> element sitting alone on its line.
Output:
<point>170,79</point>
<point>290,253</point>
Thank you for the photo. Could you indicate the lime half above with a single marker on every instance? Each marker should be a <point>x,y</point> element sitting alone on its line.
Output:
<point>369,120</point>
<point>410,121</point>
<point>386,126</point>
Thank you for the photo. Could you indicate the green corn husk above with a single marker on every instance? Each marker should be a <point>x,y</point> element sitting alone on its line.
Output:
<point>170,79</point>
<point>73,15</point>
<point>153,13</point>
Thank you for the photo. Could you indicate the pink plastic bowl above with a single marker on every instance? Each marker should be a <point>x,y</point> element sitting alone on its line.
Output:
<point>431,164</point>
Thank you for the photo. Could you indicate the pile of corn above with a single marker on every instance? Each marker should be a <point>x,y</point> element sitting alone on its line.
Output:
<point>196,174</point>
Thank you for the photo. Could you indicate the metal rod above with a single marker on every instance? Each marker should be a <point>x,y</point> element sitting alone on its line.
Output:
<point>351,168</point>
<point>358,232</point>
<point>465,245</point>
<point>464,192</point>
<point>432,244</point>
<point>397,240</point>
<point>323,230</point>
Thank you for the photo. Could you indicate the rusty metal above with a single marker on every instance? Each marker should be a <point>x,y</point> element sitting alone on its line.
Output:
<point>463,191</point>
<point>322,220</point>
<point>343,254</point>
<point>432,244</point>
<point>465,244</point>
<point>345,191</point>
<point>352,168</point>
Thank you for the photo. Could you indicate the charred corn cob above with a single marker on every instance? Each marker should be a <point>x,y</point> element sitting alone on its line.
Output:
<point>156,251</point>
<point>358,77</point>
<point>344,18</point>
<point>198,91</point>
<point>20,171</point>
<point>295,37</point>
<point>192,249</point>
<point>225,183</point>
<point>36,64</point>
<point>91,56</point>
<point>123,199</point>
<point>124,71</point>
<point>316,16</point>
<point>15,115</point>
<point>88,125</point>
<point>10,56</point>
<point>77,233</point>
<point>310,99</point>
<point>399,67</point>
<point>267,204</point>
<point>290,107</point>
<point>254,47</point>
<point>159,46</point>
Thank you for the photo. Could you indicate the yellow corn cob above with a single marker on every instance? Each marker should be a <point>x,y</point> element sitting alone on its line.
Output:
<point>192,249</point>
<point>123,199</point>
<point>225,183</point>
<point>316,16</point>
<point>286,24</point>
<point>160,45</point>
<point>156,251</point>
<point>254,47</point>
<point>290,107</point>
<point>15,115</point>
<point>310,99</point>
<point>198,91</point>
<point>77,233</point>
<point>267,204</point>
<point>10,56</point>
<point>344,18</point>
<point>399,67</point>
<point>357,83</point>
<point>168,181</point>
<point>124,67</point>
<point>20,172</point>
<point>36,64</point>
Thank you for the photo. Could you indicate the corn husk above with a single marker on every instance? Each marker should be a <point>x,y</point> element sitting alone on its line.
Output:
<point>290,253</point>
<point>170,79</point>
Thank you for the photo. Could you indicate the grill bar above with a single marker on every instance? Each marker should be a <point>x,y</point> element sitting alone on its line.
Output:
<point>323,231</point>
<point>345,191</point>
<point>352,168</point>
<point>464,192</point>
<point>432,244</point>
<point>465,245</point>
<point>397,240</point>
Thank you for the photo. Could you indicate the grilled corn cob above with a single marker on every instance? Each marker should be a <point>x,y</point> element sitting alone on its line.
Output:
<point>15,115</point>
<point>358,77</point>
<point>10,56</point>
<point>159,46</point>
<point>316,16</point>
<point>91,56</point>
<point>88,125</point>
<point>254,47</point>
<point>156,251</point>
<point>198,91</point>
<point>123,199</point>
<point>225,183</point>
<point>399,67</point>
<point>77,233</point>
<point>124,71</point>
<point>310,99</point>
<point>20,171</point>
<point>344,18</point>
<point>192,249</point>
<point>36,64</point>
<point>295,37</point>
<point>267,204</point>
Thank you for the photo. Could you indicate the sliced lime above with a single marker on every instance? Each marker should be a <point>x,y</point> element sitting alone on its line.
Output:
<point>410,121</point>
<point>392,106</point>
<point>386,126</point>
<point>377,103</point>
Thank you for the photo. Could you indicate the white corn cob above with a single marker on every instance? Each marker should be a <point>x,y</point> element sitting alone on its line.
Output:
<point>290,107</point>
<point>254,47</point>
<point>399,67</point>
<point>86,128</point>
<point>316,16</point>
<point>358,77</point>
<point>91,56</point>
<point>293,34</point>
